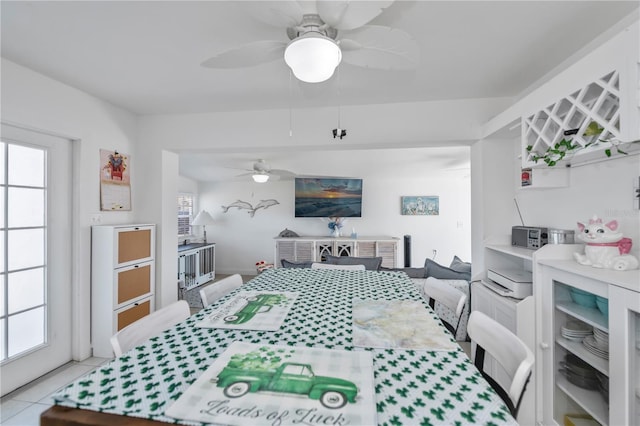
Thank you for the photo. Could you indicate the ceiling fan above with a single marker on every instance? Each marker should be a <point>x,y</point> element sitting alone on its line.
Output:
<point>261,172</point>
<point>323,33</point>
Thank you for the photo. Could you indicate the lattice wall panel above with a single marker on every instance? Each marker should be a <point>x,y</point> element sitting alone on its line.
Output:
<point>598,101</point>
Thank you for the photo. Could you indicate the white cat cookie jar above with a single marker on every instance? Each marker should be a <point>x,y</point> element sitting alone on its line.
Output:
<point>605,246</point>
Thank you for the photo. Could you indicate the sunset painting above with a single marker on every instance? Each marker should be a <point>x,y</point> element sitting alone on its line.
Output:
<point>321,197</point>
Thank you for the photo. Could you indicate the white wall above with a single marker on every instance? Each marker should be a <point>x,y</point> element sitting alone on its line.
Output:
<point>605,189</point>
<point>30,99</point>
<point>241,240</point>
<point>188,185</point>
<point>493,190</point>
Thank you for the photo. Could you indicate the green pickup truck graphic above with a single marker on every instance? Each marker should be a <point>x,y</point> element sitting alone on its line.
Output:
<point>255,305</point>
<point>289,377</point>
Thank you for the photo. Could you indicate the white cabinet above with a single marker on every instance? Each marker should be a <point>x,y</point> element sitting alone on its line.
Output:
<point>555,274</point>
<point>597,102</point>
<point>517,315</point>
<point>315,249</point>
<point>122,280</point>
<point>624,340</point>
<point>196,264</point>
<point>601,88</point>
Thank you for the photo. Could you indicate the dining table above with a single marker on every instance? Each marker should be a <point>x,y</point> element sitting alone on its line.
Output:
<point>411,386</point>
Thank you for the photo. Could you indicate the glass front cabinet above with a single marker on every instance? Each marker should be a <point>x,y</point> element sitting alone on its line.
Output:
<point>625,354</point>
<point>588,341</point>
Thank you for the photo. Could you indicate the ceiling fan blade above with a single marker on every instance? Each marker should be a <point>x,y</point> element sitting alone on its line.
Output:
<point>245,174</point>
<point>282,173</point>
<point>379,47</point>
<point>347,15</point>
<point>249,55</point>
<point>276,13</point>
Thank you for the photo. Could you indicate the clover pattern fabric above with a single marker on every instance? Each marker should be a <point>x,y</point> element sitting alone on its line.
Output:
<point>412,387</point>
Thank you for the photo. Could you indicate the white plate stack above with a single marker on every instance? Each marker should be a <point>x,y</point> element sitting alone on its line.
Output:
<point>576,330</point>
<point>598,343</point>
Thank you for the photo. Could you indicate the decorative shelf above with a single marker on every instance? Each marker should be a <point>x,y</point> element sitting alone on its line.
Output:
<point>598,101</point>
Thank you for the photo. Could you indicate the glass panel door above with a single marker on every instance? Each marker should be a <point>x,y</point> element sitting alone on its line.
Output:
<point>624,392</point>
<point>35,255</point>
<point>23,237</point>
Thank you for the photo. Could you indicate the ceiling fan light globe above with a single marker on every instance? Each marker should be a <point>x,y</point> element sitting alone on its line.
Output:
<point>260,178</point>
<point>313,57</point>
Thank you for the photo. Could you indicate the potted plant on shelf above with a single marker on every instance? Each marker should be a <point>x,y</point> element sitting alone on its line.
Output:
<point>565,148</point>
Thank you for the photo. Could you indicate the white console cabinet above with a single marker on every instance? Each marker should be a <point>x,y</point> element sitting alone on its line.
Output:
<point>555,273</point>
<point>122,280</point>
<point>315,249</point>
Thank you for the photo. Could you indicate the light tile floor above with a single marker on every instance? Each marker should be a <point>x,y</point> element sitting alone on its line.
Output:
<point>23,406</point>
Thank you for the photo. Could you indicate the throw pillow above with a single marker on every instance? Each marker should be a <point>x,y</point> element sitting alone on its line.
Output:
<point>458,265</point>
<point>436,270</point>
<point>286,264</point>
<point>370,263</point>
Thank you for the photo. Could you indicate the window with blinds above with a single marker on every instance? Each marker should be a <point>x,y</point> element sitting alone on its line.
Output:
<point>185,212</point>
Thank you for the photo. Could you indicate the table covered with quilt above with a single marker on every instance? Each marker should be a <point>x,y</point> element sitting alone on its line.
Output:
<point>409,386</point>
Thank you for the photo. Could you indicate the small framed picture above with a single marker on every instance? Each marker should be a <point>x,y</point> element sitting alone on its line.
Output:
<point>420,205</point>
<point>526,177</point>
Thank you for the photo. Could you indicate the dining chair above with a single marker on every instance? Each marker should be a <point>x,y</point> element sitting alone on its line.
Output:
<point>149,326</point>
<point>508,350</point>
<point>218,289</point>
<point>338,267</point>
<point>450,297</point>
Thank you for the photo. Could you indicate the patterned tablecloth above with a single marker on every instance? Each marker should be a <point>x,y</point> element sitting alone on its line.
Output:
<point>412,387</point>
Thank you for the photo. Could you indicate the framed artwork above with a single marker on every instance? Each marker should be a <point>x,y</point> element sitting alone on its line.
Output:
<point>115,185</point>
<point>420,205</point>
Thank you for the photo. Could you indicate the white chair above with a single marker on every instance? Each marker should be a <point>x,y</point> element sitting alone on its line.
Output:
<point>508,350</point>
<point>149,326</point>
<point>337,267</point>
<point>218,289</point>
<point>450,297</point>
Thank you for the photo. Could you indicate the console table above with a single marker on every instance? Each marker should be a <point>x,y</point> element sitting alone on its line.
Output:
<point>315,249</point>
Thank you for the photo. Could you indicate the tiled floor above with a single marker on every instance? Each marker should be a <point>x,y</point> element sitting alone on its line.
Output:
<point>23,406</point>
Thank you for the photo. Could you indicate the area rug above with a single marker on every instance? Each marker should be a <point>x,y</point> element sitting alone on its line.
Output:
<point>193,296</point>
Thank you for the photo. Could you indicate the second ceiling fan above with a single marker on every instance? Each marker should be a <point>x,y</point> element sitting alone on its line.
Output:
<point>262,172</point>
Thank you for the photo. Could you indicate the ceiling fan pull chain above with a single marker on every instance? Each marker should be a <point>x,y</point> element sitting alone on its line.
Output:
<point>290,113</point>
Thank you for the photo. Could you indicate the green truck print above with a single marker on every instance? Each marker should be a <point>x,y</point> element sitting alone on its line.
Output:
<point>289,377</point>
<point>255,305</point>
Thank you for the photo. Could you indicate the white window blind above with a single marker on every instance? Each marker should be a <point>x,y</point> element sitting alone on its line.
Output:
<point>185,212</point>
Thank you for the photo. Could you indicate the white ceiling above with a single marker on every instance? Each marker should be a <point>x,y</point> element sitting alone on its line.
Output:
<point>145,56</point>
